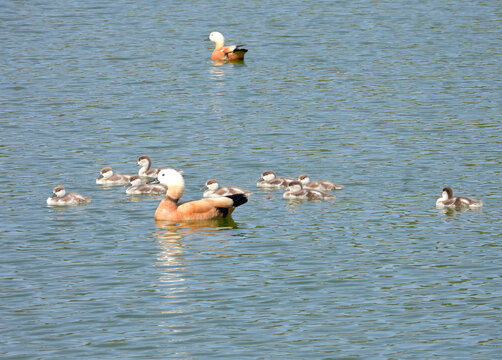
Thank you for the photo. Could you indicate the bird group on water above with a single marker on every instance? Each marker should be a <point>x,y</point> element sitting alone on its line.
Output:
<point>218,202</point>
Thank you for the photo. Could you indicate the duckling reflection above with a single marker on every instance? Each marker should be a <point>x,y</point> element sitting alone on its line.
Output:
<point>454,211</point>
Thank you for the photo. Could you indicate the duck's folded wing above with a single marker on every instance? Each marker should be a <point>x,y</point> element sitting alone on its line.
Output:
<point>205,205</point>
<point>233,48</point>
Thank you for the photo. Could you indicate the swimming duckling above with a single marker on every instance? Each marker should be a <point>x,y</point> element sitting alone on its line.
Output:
<point>107,177</point>
<point>214,189</point>
<point>60,197</point>
<point>202,209</point>
<point>296,191</point>
<point>145,162</point>
<point>447,200</point>
<point>138,188</point>
<point>318,185</point>
<point>269,180</point>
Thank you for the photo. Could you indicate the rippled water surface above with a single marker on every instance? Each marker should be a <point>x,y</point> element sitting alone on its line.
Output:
<point>392,99</point>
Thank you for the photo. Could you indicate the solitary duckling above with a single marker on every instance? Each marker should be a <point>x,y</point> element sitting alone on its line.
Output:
<point>447,200</point>
<point>202,209</point>
<point>138,188</point>
<point>318,185</point>
<point>296,191</point>
<point>269,180</point>
<point>60,197</point>
<point>107,177</point>
<point>214,189</point>
<point>225,53</point>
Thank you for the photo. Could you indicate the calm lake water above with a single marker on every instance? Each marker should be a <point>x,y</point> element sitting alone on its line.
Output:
<point>392,99</point>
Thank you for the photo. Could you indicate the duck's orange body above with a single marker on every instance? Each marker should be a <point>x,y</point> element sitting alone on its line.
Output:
<point>225,53</point>
<point>203,209</point>
<point>228,53</point>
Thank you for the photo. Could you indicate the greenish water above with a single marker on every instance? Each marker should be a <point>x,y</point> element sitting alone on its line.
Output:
<point>394,100</point>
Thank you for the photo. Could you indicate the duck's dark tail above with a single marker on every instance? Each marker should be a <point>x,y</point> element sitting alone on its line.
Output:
<point>239,48</point>
<point>238,199</point>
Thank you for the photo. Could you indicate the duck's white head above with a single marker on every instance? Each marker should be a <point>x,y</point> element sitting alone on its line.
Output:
<point>135,180</point>
<point>212,185</point>
<point>304,179</point>
<point>217,37</point>
<point>58,192</point>
<point>105,172</point>
<point>170,177</point>
<point>268,175</point>
<point>144,161</point>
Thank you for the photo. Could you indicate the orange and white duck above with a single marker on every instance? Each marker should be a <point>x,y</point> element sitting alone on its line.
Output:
<point>225,53</point>
<point>170,210</point>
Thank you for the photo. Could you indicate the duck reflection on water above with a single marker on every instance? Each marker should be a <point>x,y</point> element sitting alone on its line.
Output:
<point>174,242</point>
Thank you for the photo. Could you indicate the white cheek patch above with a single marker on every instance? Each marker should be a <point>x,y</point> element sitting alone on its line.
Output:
<point>213,186</point>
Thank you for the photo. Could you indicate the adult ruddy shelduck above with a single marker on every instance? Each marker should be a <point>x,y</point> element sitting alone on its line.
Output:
<point>203,209</point>
<point>448,201</point>
<point>225,53</point>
